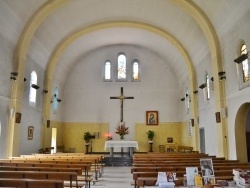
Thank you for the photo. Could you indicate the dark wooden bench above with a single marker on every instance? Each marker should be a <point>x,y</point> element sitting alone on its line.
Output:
<point>30,183</point>
<point>70,178</point>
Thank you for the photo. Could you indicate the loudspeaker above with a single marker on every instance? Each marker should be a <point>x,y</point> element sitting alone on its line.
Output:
<point>48,123</point>
<point>217,117</point>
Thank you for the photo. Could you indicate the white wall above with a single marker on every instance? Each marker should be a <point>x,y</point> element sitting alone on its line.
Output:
<point>87,98</point>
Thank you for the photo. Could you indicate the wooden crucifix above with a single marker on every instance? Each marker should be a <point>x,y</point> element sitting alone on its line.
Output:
<point>121,97</point>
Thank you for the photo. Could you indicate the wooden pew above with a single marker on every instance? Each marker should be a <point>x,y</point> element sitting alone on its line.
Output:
<point>30,183</point>
<point>81,169</point>
<point>78,171</point>
<point>150,181</point>
<point>179,174</point>
<point>95,160</point>
<point>69,178</point>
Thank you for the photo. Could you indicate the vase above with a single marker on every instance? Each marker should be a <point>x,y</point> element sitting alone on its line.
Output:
<point>121,137</point>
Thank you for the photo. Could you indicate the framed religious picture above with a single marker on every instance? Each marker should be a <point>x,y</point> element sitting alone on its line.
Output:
<point>152,118</point>
<point>30,132</point>
<point>207,169</point>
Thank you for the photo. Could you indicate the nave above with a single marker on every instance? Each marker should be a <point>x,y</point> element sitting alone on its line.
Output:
<point>115,177</point>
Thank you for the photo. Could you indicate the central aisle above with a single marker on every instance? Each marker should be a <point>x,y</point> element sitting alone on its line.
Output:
<point>115,177</point>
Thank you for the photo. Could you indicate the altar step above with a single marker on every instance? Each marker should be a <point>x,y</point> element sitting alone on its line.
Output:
<point>117,161</point>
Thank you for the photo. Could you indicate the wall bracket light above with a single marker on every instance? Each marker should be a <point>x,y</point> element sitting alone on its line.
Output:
<point>202,86</point>
<point>35,86</point>
<point>222,75</point>
<point>241,58</point>
<point>13,75</point>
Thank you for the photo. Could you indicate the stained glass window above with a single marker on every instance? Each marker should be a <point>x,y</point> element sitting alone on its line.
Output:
<point>245,66</point>
<point>121,67</point>
<point>32,95</point>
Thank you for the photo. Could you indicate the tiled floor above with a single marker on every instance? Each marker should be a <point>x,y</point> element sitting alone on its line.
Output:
<point>115,177</point>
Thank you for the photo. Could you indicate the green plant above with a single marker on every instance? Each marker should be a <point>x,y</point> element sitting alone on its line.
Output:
<point>87,136</point>
<point>150,134</point>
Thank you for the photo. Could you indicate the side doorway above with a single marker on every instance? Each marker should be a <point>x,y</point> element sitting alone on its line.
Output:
<point>242,133</point>
<point>202,140</point>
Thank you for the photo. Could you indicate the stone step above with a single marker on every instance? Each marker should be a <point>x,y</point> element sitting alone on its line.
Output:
<point>117,161</point>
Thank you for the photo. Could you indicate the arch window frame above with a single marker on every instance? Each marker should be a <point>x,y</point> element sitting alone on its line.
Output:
<point>187,100</point>
<point>243,67</point>
<point>106,71</point>
<point>55,103</point>
<point>207,90</point>
<point>121,70</point>
<point>33,91</point>
<point>135,70</point>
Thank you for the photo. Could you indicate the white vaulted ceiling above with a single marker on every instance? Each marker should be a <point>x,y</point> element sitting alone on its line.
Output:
<point>77,15</point>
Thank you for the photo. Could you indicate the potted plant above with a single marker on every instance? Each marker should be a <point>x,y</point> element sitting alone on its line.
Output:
<point>87,137</point>
<point>150,134</point>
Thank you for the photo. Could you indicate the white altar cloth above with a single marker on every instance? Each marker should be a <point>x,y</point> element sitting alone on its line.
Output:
<point>127,144</point>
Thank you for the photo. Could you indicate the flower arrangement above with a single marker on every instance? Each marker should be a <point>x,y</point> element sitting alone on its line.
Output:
<point>122,130</point>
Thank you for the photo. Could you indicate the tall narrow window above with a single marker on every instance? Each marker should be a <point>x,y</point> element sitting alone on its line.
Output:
<point>187,101</point>
<point>135,71</point>
<point>121,67</point>
<point>208,86</point>
<point>54,100</point>
<point>107,71</point>
<point>32,95</point>
<point>245,66</point>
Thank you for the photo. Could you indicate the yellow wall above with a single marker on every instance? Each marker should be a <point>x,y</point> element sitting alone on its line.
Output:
<point>177,130</point>
<point>73,136</point>
<point>70,135</point>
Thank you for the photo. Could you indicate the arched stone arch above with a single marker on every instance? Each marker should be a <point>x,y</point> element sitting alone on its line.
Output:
<point>240,132</point>
<point>189,6</point>
<point>114,24</point>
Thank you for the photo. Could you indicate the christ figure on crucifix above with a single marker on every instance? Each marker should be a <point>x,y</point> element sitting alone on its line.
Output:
<point>121,98</point>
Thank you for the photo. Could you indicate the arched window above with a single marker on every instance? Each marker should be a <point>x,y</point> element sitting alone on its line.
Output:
<point>121,67</point>
<point>107,70</point>
<point>32,95</point>
<point>54,100</point>
<point>187,100</point>
<point>208,86</point>
<point>135,70</point>
<point>245,66</point>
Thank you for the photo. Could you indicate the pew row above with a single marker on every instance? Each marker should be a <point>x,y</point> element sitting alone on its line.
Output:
<point>78,171</point>
<point>69,178</point>
<point>30,183</point>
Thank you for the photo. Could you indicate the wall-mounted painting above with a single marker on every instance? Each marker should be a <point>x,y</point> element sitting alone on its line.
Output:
<point>30,132</point>
<point>152,117</point>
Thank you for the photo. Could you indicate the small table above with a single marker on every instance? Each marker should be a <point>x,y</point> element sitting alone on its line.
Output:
<point>120,144</point>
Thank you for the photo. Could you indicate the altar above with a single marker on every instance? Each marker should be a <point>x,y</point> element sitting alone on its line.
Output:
<point>120,144</point>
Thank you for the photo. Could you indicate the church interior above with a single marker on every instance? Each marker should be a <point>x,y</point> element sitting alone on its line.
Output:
<point>68,67</point>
